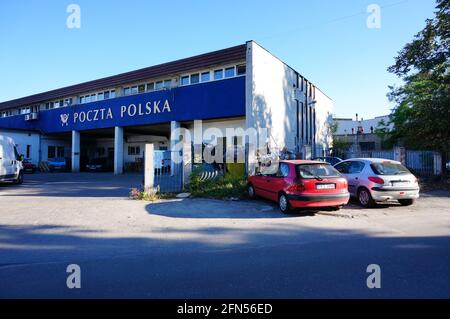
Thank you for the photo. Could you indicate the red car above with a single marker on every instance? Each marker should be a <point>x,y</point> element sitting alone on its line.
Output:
<point>301,184</point>
<point>28,166</point>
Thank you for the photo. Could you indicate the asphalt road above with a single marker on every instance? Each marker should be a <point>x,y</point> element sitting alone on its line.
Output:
<point>212,249</point>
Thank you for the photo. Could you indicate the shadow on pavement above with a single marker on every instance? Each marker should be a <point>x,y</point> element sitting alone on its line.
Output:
<point>218,209</point>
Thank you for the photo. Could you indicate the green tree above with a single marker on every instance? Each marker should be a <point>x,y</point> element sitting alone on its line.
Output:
<point>421,117</point>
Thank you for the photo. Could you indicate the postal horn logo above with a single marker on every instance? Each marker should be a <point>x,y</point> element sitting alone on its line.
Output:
<point>64,119</point>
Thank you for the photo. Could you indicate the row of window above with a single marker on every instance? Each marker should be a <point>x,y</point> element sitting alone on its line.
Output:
<point>218,74</point>
<point>105,95</point>
<point>57,104</point>
<point>149,87</point>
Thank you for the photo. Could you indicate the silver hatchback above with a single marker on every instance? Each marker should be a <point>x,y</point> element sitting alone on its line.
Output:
<point>373,180</point>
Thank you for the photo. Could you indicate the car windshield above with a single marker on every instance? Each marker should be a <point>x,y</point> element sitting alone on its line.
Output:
<point>316,170</point>
<point>389,168</point>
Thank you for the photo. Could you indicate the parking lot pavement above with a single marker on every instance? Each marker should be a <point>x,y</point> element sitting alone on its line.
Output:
<point>203,248</point>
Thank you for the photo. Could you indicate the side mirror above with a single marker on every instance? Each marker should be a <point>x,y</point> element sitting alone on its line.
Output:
<point>21,157</point>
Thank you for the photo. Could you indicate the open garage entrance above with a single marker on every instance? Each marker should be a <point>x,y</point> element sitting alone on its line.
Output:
<point>98,147</point>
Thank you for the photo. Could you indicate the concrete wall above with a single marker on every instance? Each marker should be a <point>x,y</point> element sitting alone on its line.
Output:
<point>270,99</point>
<point>22,139</point>
<point>47,141</point>
<point>271,102</point>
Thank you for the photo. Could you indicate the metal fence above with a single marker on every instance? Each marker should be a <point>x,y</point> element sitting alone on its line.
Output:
<point>426,163</point>
<point>168,175</point>
<point>423,162</point>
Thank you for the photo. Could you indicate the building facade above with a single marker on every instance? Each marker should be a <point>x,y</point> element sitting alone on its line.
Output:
<point>236,88</point>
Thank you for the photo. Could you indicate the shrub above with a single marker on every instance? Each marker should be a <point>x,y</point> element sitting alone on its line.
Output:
<point>149,194</point>
<point>218,188</point>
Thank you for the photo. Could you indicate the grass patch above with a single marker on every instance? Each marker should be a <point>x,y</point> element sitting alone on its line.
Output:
<point>218,188</point>
<point>149,195</point>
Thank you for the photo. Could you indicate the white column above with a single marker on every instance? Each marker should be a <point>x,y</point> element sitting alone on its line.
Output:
<point>75,151</point>
<point>174,140</point>
<point>118,150</point>
<point>149,169</point>
<point>174,134</point>
<point>187,162</point>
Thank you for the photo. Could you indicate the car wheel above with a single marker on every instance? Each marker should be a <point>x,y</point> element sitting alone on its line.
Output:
<point>19,179</point>
<point>365,198</point>
<point>406,202</point>
<point>251,191</point>
<point>283,204</point>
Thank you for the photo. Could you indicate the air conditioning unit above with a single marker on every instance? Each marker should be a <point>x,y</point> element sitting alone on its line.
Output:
<point>31,116</point>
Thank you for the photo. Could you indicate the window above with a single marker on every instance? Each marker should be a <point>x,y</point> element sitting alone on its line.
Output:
<point>184,80</point>
<point>82,101</point>
<point>49,105</point>
<point>87,98</point>
<point>350,167</point>
<point>112,94</point>
<point>159,85</point>
<point>93,97</point>
<point>60,151</point>
<point>126,91</point>
<point>51,153</point>
<point>389,168</point>
<point>28,153</point>
<point>195,78</point>
<point>141,88</point>
<point>101,96</point>
<point>167,84</point>
<point>229,72</point>
<point>283,170</point>
<point>134,90</point>
<point>134,150</point>
<point>150,87</point>
<point>311,171</point>
<point>106,95</point>
<point>241,69</point>
<point>355,167</point>
<point>218,74</point>
<point>68,102</point>
<point>205,76</point>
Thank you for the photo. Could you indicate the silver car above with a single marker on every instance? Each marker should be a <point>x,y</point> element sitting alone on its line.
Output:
<point>373,180</point>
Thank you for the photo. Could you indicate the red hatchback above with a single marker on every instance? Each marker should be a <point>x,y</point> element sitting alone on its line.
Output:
<point>301,184</point>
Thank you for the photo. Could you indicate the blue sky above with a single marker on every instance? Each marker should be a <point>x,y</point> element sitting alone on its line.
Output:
<point>326,40</point>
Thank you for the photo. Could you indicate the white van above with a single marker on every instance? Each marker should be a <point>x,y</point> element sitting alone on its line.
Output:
<point>11,169</point>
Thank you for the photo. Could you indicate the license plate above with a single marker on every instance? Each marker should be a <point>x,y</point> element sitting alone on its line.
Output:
<point>325,186</point>
<point>400,183</point>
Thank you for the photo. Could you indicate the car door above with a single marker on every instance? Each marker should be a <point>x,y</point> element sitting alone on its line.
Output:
<point>344,169</point>
<point>259,184</point>
<point>9,160</point>
<point>354,176</point>
<point>277,182</point>
<point>2,160</point>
